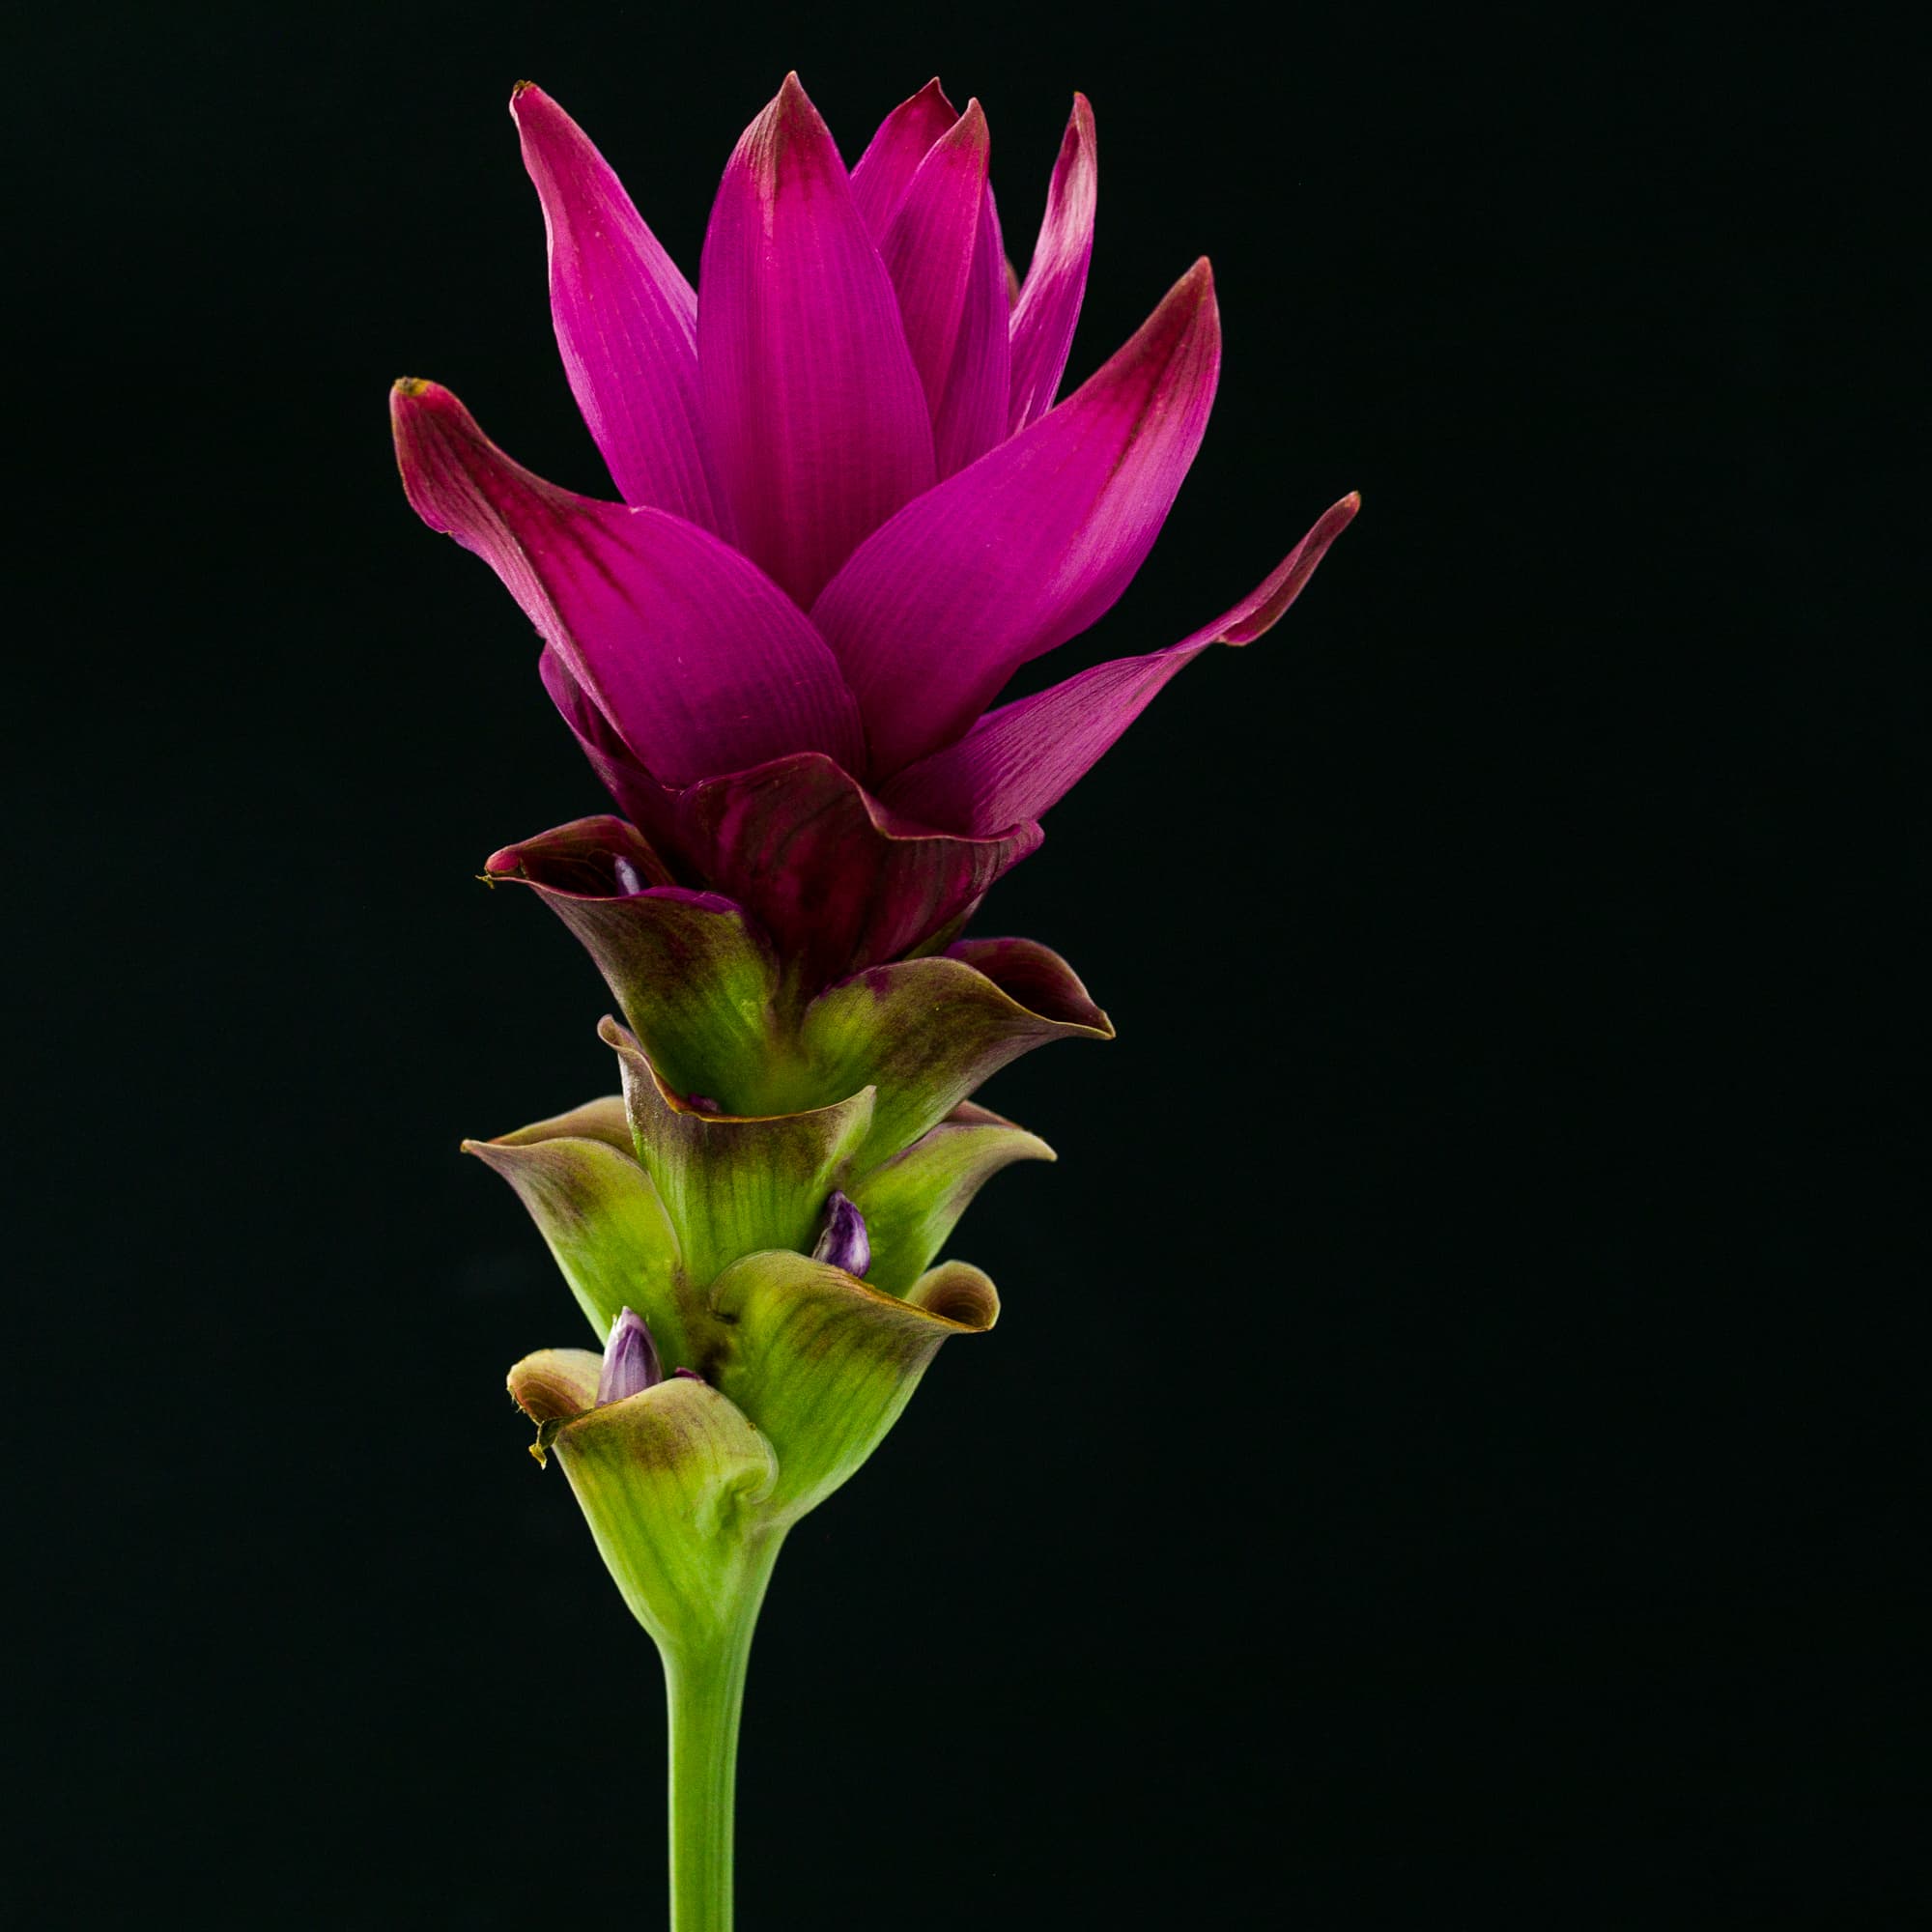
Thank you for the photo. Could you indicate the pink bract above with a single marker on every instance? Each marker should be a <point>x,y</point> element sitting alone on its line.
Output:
<point>851,510</point>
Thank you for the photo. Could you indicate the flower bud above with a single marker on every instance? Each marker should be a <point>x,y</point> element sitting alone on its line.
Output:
<point>844,1242</point>
<point>631,1362</point>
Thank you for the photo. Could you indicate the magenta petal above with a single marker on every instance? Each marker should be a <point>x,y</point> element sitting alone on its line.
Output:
<point>972,414</point>
<point>944,254</point>
<point>1034,543</point>
<point>644,801</point>
<point>1017,761</point>
<point>1047,306</point>
<point>699,662</point>
<point>886,168</point>
<point>817,421</point>
<point>930,245</point>
<point>626,319</point>
<point>839,881</point>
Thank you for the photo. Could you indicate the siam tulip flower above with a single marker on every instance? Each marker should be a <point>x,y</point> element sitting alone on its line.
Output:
<point>852,508</point>
<point>852,505</point>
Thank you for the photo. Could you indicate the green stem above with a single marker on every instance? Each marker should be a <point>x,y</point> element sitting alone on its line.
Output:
<point>704,1687</point>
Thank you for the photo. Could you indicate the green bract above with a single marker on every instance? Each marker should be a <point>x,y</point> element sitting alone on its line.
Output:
<point>826,1363</point>
<point>697,1197</point>
<point>670,1482</point>
<point>601,1214</point>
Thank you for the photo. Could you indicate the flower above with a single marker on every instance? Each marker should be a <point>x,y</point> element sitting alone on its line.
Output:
<point>844,1242</point>
<point>851,510</point>
<point>631,1362</point>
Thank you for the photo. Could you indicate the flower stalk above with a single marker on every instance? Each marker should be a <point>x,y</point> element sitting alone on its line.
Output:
<point>704,1698</point>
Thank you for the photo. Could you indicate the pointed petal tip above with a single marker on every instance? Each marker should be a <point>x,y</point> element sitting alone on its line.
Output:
<point>1271,602</point>
<point>1192,305</point>
<point>1334,520</point>
<point>416,398</point>
<point>1187,308</point>
<point>528,99</point>
<point>791,110</point>
<point>423,417</point>
<point>931,95</point>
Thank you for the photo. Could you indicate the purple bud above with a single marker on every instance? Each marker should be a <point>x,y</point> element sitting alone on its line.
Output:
<point>631,1362</point>
<point>844,1243</point>
<point>629,879</point>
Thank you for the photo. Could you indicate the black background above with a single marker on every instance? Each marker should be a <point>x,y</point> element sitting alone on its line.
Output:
<point>1448,1456</point>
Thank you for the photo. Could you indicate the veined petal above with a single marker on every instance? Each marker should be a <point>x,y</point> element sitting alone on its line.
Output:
<point>600,1214</point>
<point>672,1482</point>
<point>1020,759</point>
<point>929,248</point>
<point>972,414</point>
<point>1047,306</point>
<point>1034,543</point>
<point>912,1201</point>
<point>699,661</point>
<point>626,319</point>
<point>888,165</point>
<point>736,1184</point>
<point>926,1033</point>
<point>817,422</point>
<point>645,803</point>
<point>826,1363</point>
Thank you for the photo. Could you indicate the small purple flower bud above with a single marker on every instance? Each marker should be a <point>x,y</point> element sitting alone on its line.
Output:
<point>631,1362</point>
<point>629,878</point>
<point>844,1243</point>
<point>702,1104</point>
